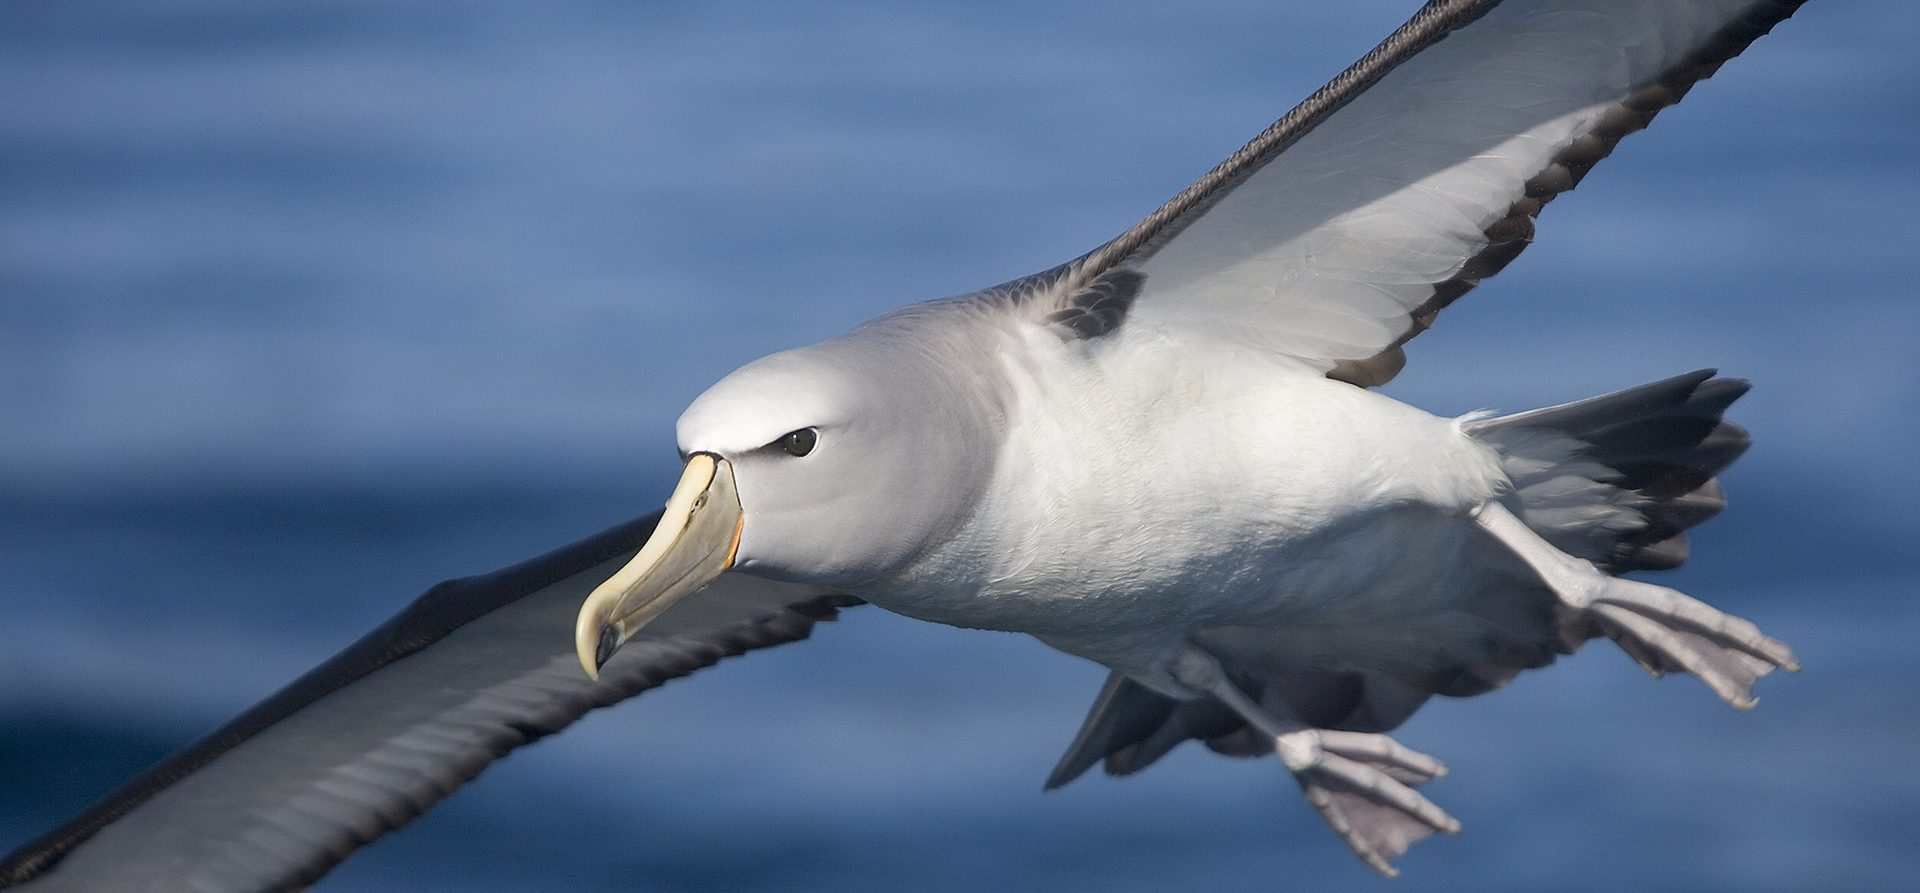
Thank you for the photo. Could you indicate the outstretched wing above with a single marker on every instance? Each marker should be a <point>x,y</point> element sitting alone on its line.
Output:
<point>387,728</point>
<point>1338,234</point>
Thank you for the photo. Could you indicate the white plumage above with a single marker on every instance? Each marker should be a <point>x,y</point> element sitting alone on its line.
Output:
<point>1159,455</point>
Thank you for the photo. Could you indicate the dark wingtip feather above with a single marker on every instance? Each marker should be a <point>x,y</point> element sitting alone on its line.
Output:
<point>1124,713</point>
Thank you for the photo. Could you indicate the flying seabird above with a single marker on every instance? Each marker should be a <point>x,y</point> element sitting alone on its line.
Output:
<point>1161,455</point>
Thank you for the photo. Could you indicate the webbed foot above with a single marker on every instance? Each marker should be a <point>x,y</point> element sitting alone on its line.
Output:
<point>1361,785</point>
<point>1660,628</point>
<point>1665,631</point>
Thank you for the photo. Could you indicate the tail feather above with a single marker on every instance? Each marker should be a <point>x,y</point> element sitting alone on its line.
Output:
<point>1618,479</point>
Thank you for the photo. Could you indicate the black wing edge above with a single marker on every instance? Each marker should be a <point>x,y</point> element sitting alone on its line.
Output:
<point>1513,232</point>
<point>438,612</point>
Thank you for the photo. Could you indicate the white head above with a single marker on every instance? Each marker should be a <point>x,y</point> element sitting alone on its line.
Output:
<point>834,464</point>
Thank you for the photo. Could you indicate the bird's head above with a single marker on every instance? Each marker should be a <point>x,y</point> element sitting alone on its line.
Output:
<point>832,464</point>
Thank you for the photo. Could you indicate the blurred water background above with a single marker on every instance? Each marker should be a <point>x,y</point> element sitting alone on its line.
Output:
<point>305,306</point>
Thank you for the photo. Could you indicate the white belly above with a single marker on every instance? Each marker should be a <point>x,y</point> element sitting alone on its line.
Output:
<point>1142,499</point>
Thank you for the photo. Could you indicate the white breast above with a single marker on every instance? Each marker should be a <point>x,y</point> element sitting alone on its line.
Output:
<point>1144,491</point>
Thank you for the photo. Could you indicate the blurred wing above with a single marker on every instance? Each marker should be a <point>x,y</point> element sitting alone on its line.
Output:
<point>387,728</point>
<point>1338,234</point>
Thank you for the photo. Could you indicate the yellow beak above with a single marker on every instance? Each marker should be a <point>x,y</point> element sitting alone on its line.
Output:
<point>694,542</point>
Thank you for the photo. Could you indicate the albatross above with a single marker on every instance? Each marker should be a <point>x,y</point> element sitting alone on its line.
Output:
<point>1165,456</point>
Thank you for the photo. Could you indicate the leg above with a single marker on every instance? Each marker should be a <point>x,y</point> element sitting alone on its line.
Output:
<point>1358,782</point>
<point>1662,629</point>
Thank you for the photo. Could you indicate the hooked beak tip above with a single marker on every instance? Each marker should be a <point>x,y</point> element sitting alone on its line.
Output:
<point>608,643</point>
<point>693,541</point>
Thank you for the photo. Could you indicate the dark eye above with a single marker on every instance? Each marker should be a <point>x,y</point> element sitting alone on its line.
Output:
<point>799,443</point>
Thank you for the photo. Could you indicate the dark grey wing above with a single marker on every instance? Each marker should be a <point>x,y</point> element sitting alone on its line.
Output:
<point>1341,231</point>
<point>387,728</point>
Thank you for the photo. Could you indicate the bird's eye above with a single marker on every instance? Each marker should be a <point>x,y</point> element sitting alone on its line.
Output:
<point>799,443</point>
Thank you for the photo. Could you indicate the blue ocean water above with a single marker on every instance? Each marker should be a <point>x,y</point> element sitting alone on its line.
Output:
<point>306,306</point>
